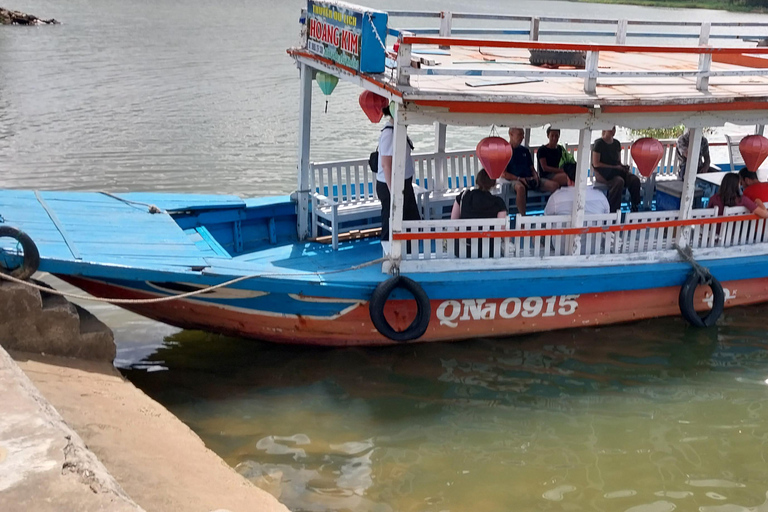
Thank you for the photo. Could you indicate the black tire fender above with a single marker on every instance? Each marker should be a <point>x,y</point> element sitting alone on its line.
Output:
<point>31,255</point>
<point>558,58</point>
<point>380,297</point>
<point>686,300</point>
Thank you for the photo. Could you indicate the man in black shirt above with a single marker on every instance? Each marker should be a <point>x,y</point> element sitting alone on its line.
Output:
<point>521,173</point>
<point>606,163</point>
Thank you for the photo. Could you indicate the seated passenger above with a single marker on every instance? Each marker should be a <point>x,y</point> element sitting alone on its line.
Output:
<point>606,162</point>
<point>729,194</point>
<point>552,156</point>
<point>753,187</point>
<point>682,153</point>
<point>561,201</point>
<point>521,173</point>
<point>478,203</point>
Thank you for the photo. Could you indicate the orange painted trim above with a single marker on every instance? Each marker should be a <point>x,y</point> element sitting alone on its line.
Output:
<point>488,43</point>
<point>742,59</point>
<point>329,62</point>
<point>571,231</point>
<point>482,107</point>
<point>696,107</point>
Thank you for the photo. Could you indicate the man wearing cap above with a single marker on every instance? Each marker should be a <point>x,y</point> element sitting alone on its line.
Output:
<point>753,187</point>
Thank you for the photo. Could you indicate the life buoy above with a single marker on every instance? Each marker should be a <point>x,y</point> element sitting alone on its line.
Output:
<point>686,300</point>
<point>423,309</point>
<point>31,255</point>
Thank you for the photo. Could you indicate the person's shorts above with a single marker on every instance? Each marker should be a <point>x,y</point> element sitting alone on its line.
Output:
<point>530,183</point>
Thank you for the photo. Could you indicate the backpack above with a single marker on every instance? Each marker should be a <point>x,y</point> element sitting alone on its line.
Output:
<point>373,159</point>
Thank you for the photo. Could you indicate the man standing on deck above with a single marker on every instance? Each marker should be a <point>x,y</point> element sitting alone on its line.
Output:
<point>561,202</point>
<point>521,173</point>
<point>606,162</point>
<point>682,153</point>
<point>753,187</point>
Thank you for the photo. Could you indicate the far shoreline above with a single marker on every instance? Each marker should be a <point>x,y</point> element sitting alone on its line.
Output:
<point>684,4</point>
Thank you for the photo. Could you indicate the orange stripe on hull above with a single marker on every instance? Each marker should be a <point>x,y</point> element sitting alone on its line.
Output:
<point>451,319</point>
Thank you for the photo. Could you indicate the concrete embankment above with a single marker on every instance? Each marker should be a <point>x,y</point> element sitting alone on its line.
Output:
<point>44,464</point>
<point>76,436</point>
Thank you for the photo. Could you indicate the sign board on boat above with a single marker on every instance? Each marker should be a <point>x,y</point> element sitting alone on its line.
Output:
<point>348,35</point>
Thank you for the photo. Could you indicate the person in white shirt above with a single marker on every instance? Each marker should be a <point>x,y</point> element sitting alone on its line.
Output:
<point>561,201</point>
<point>384,176</point>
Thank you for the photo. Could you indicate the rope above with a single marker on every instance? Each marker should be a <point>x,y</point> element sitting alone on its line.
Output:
<point>187,294</point>
<point>151,208</point>
<point>376,32</point>
<point>702,271</point>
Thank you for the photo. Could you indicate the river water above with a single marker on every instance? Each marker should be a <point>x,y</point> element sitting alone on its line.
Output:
<point>197,96</point>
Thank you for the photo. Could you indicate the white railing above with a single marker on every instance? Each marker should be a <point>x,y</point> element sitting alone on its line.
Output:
<point>550,237</point>
<point>531,27</point>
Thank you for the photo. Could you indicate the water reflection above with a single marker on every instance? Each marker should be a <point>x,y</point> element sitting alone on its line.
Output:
<point>649,416</point>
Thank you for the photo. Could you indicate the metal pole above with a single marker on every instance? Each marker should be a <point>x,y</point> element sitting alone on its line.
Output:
<point>399,155</point>
<point>580,192</point>
<point>305,123</point>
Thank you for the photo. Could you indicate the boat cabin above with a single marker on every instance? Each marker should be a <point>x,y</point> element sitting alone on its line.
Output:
<point>445,75</point>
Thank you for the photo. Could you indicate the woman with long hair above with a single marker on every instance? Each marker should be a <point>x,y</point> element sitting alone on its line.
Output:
<point>730,194</point>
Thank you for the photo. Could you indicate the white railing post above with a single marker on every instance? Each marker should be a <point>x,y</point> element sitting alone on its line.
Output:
<point>440,132</point>
<point>590,81</point>
<point>580,192</point>
<point>404,61</point>
<point>446,20</point>
<point>621,32</point>
<point>705,60</point>
<point>760,129</point>
<point>305,122</point>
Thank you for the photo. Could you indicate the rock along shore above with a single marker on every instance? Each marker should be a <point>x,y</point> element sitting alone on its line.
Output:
<point>8,17</point>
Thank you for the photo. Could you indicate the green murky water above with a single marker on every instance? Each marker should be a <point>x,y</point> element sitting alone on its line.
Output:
<point>647,417</point>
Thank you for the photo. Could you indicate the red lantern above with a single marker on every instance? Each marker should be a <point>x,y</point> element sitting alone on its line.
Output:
<point>647,153</point>
<point>753,149</point>
<point>372,103</point>
<point>494,153</point>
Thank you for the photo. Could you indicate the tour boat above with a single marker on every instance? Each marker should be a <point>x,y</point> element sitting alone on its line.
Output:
<point>301,268</point>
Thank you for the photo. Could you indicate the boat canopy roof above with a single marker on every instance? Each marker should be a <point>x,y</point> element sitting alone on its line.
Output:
<point>491,80</point>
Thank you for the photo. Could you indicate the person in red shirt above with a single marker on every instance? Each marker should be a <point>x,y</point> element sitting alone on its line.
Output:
<point>753,187</point>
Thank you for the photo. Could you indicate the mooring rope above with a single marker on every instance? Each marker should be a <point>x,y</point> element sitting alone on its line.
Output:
<point>187,294</point>
<point>151,208</point>
<point>703,272</point>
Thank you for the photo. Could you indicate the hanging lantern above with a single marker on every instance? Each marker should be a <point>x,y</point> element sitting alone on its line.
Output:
<point>327,84</point>
<point>753,149</point>
<point>372,103</point>
<point>647,153</point>
<point>494,153</point>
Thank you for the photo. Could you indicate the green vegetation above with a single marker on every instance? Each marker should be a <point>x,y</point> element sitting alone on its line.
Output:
<point>672,132</point>
<point>727,5</point>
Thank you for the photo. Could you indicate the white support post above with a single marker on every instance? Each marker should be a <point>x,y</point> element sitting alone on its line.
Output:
<point>533,35</point>
<point>760,129</point>
<point>590,81</point>
<point>580,192</point>
<point>404,61</point>
<point>396,191</point>
<point>446,20</point>
<point>705,60</point>
<point>440,131</point>
<point>621,32</point>
<point>305,123</point>
<point>689,184</point>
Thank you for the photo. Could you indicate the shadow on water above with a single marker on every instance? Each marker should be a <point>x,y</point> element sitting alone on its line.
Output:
<point>647,416</point>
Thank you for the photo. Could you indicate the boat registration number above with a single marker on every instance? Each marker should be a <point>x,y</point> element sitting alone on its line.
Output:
<point>451,312</point>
